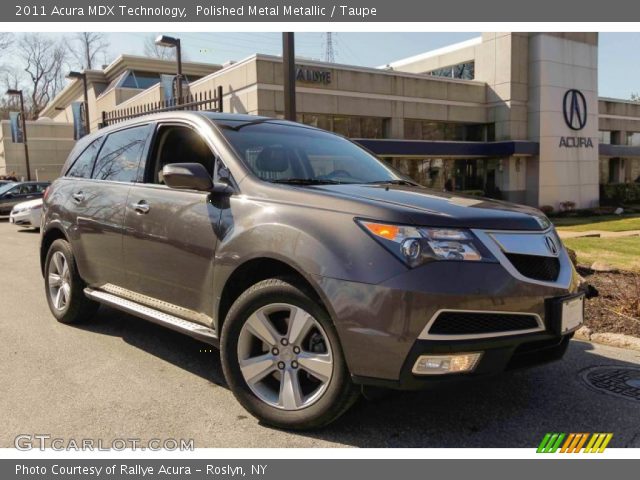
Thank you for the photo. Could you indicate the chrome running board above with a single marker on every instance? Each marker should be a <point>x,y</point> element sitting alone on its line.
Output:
<point>192,329</point>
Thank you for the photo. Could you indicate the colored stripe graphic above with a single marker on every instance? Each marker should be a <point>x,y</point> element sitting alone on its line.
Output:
<point>574,442</point>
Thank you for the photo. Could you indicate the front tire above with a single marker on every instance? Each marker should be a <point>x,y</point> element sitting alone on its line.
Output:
<point>282,358</point>
<point>63,286</point>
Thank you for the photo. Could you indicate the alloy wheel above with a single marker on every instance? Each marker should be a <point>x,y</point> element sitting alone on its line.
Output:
<point>59,280</point>
<point>285,356</point>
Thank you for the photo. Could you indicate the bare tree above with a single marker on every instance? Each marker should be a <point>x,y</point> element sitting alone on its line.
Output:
<point>155,51</point>
<point>6,39</point>
<point>635,97</point>
<point>91,46</point>
<point>9,79</point>
<point>45,63</point>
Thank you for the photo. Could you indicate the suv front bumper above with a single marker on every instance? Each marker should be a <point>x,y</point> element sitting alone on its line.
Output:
<point>381,326</point>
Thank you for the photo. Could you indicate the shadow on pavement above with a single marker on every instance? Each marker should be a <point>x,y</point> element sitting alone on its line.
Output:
<point>514,409</point>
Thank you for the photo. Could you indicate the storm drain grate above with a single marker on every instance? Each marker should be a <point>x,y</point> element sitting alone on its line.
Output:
<point>622,382</point>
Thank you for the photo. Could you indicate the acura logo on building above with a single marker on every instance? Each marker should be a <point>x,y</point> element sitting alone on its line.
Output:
<point>551,245</point>
<point>575,109</point>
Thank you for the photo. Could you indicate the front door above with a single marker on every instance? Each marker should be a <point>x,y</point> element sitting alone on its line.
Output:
<point>170,235</point>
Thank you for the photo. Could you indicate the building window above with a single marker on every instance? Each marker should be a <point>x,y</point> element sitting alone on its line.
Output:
<point>463,71</point>
<point>605,137</point>
<point>349,126</point>
<point>633,138</point>
<point>460,132</point>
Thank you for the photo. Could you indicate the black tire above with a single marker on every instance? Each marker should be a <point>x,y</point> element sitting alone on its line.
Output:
<point>78,308</point>
<point>340,393</point>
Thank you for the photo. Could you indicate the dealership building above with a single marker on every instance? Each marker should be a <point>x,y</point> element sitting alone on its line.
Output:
<point>509,115</point>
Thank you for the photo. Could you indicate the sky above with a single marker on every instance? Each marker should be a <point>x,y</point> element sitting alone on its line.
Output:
<point>619,70</point>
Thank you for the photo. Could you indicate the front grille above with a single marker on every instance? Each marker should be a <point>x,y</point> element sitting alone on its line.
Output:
<point>537,267</point>
<point>476,323</point>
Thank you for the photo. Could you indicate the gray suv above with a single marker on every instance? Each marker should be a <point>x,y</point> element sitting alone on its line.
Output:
<point>316,268</point>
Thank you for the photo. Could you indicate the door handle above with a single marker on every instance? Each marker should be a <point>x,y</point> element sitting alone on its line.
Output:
<point>78,196</point>
<point>141,207</point>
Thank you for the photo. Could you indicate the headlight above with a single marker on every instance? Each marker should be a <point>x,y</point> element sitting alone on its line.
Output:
<point>418,245</point>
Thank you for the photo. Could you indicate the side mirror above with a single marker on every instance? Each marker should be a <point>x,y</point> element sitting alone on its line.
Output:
<point>7,195</point>
<point>187,176</point>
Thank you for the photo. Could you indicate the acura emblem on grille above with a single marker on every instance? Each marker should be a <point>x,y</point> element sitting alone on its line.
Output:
<point>551,245</point>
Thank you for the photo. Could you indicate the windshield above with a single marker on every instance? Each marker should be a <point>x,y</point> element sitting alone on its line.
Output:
<point>5,187</point>
<point>284,153</point>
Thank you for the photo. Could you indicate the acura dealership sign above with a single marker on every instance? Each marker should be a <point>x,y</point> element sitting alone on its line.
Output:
<point>574,109</point>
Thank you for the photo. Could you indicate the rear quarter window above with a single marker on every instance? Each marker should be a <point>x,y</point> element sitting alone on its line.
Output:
<point>83,165</point>
<point>120,155</point>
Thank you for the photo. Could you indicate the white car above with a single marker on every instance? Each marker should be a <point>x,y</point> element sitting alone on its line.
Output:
<point>27,214</point>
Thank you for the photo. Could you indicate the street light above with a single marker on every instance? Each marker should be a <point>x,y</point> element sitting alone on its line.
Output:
<point>18,93</point>
<point>83,76</point>
<point>172,42</point>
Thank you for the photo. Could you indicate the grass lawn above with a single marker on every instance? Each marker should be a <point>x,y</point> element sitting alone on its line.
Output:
<point>609,223</point>
<point>622,253</point>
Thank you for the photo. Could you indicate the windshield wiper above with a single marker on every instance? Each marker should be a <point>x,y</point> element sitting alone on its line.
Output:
<point>306,181</point>
<point>393,182</point>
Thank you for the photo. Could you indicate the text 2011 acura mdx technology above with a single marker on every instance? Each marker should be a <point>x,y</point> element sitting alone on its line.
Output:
<point>314,266</point>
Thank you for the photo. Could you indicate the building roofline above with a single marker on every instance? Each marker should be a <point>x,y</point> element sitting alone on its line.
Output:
<point>435,53</point>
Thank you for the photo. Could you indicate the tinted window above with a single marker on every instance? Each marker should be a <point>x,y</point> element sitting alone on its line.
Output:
<point>83,165</point>
<point>275,151</point>
<point>178,145</point>
<point>120,155</point>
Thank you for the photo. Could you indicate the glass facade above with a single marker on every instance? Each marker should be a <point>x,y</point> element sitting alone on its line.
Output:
<point>633,139</point>
<point>463,71</point>
<point>605,137</point>
<point>460,132</point>
<point>349,126</point>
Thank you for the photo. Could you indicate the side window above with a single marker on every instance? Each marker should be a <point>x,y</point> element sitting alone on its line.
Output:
<point>120,155</point>
<point>176,144</point>
<point>83,165</point>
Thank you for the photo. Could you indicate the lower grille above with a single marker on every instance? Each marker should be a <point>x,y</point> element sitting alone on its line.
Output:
<point>476,323</point>
<point>541,268</point>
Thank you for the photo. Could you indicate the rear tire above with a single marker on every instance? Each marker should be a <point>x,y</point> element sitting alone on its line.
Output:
<point>63,286</point>
<point>300,384</point>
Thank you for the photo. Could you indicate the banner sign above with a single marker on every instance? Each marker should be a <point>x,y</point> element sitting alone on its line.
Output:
<point>167,82</point>
<point>79,124</point>
<point>15,119</point>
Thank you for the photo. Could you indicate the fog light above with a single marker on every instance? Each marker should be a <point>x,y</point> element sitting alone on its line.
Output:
<point>443,364</point>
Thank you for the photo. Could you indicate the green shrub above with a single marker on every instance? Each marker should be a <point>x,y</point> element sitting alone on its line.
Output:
<point>619,193</point>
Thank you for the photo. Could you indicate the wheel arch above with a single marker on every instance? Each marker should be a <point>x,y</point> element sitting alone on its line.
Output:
<point>51,235</point>
<point>255,270</point>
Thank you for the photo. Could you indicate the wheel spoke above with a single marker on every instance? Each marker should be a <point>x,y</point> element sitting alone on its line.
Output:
<point>58,300</point>
<point>54,280</point>
<point>317,364</point>
<point>260,326</point>
<point>66,288</point>
<point>57,263</point>
<point>256,368</point>
<point>299,324</point>
<point>65,269</point>
<point>290,392</point>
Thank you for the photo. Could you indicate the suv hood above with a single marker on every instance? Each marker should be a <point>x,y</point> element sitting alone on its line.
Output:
<point>429,207</point>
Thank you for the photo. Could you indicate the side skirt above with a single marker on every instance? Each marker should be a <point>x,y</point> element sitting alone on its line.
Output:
<point>192,329</point>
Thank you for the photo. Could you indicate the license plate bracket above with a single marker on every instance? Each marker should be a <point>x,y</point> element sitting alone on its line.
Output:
<point>567,313</point>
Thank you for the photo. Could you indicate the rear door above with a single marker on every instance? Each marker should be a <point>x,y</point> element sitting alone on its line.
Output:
<point>170,235</point>
<point>97,200</point>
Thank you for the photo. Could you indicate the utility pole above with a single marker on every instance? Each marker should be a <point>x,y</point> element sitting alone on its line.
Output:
<point>329,54</point>
<point>289,67</point>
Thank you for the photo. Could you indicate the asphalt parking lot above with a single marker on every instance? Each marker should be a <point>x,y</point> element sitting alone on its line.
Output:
<point>121,377</point>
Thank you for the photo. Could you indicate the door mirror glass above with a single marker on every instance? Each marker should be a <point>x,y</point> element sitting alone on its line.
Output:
<point>192,176</point>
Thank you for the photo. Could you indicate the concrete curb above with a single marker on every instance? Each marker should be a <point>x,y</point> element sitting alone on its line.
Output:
<point>612,339</point>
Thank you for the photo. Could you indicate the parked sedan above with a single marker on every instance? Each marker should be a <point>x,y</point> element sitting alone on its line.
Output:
<point>27,214</point>
<point>14,193</point>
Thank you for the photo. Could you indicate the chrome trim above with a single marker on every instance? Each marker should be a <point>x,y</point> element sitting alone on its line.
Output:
<point>425,335</point>
<point>192,329</point>
<point>154,303</point>
<point>488,239</point>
